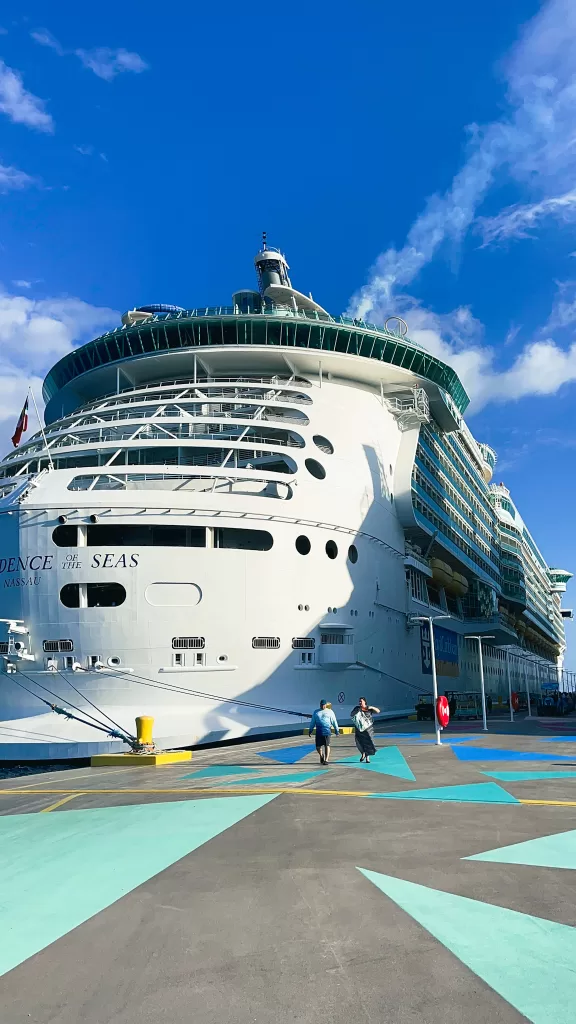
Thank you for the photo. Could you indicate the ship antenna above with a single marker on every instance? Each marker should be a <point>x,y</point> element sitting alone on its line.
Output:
<point>264,233</point>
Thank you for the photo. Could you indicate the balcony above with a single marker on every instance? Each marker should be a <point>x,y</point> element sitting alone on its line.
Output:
<point>497,626</point>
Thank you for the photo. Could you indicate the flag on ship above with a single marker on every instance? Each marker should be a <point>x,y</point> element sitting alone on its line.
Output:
<point>21,426</point>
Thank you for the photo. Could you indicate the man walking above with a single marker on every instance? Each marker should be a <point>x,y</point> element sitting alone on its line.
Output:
<point>324,720</point>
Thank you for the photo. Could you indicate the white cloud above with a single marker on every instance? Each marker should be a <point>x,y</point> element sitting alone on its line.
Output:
<point>563,313</point>
<point>107,63</point>
<point>19,105</point>
<point>516,221</point>
<point>12,179</point>
<point>102,60</point>
<point>33,335</point>
<point>45,38</point>
<point>85,150</point>
<point>457,338</point>
<point>535,144</point>
<point>22,284</point>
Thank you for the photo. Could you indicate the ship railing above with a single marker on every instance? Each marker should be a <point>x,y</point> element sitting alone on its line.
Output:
<point>269,309</point>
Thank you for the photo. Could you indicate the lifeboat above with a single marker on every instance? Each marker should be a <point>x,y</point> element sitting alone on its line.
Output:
<point>442,573</point>
<point>460,585</point>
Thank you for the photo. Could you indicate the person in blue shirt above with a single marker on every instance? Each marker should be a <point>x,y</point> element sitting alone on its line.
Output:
<point>324,720</point>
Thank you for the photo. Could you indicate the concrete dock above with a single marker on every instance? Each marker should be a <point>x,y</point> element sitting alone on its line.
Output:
<point>252,885</point>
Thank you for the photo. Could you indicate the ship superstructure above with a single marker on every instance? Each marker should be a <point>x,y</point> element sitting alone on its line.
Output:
<point>234,511</point>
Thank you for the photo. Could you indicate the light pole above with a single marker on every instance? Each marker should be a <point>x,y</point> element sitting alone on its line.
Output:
<point>526,683</point>
<point>431,619</point>
<point>509,686</point>
<point>480,639</point>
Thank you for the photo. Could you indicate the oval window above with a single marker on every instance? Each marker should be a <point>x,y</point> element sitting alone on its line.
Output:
<point>92,595</point>
<point>353,554</point>
<point>303,545</point>
<point>323,444</point>
<point>175,595</point>
<point>315,469</point>
<point>331,549</point>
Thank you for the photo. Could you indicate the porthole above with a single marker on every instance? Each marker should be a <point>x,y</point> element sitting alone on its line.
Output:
<point>315,469</point>
<point>353,554</point>
<point>303,545</point>
<point>300,607</point>
<point>323,444</point>
<point>306,607</point>
<point>331,549</point>
<point>222,657</point>
<point>114,661</point>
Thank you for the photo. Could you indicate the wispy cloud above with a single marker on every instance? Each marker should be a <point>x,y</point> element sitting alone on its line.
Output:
<point>45,38</point>
<point>22,284</point>
<point>11,179</point>
<point>518,220</point>
<point>534,144</point>
<point>107,63</point>
<point>104,61</point>
<point>85,150</point>
<point>563,313</point>
<point>19,105</point>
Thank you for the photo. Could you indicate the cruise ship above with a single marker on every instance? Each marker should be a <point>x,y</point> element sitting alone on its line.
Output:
<point>235,511</point>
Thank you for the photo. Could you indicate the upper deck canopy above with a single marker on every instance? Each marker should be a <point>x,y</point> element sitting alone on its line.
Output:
<point>78,377</point>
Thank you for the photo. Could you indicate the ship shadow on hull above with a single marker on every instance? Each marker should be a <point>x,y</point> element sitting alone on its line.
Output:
<point>373,614</point>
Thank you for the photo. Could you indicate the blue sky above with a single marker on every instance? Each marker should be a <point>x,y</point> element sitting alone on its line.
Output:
<point>415,159</point>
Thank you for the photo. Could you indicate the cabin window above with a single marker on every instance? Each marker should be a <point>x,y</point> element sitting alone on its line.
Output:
<point>92,595</point>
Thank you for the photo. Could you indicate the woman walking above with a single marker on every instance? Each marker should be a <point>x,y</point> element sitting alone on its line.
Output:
<point>364,728</point>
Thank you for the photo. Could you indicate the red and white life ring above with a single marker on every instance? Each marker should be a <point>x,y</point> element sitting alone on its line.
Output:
<point>443,711</point>
<point>515,701</point>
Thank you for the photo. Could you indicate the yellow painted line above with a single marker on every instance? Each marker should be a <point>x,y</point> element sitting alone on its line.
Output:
<point>226,789</point>
<point>59,803</point>
<point>551,803</point>
<point>50,782</point>
<point>143,792</point>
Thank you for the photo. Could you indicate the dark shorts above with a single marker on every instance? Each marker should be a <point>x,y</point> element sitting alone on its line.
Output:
<point>323,741</point>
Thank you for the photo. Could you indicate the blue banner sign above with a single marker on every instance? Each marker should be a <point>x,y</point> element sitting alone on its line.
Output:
<point>446,648</point>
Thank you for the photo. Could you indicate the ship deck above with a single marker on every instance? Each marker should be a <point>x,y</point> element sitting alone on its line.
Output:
<point>246,886</point>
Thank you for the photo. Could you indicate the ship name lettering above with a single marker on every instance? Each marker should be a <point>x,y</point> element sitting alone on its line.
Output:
<point>112,561</point>
<point>33,563</point>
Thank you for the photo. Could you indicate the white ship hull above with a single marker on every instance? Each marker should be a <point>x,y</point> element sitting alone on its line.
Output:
<point>226,597</point>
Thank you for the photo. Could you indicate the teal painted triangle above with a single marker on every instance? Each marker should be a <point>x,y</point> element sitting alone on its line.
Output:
<point>288,755</point>
<point>216,770</point>
<point>528,960</point>
<point>474,793</point>
<point>557,851</point>
<point>525,776</point>
<point>277,779</point>
<point>57,870</point>
<point>386,761</point>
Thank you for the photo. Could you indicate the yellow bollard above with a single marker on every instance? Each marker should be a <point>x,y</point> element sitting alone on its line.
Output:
<point>144,726</point>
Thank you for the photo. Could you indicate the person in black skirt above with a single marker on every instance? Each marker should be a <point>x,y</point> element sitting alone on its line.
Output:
<point>364,728</point>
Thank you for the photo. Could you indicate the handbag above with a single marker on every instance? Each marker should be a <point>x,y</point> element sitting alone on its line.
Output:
<point>361,721</point>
